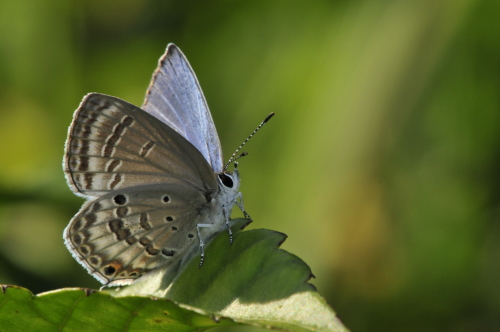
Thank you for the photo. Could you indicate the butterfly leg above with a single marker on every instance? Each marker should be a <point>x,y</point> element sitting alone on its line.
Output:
<point>241,206</point>
<point>226,216</point>
<point>202,244</point>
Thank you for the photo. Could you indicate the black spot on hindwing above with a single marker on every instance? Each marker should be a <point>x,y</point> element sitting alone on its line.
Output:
<point>120,199</point>
<point>168,252</point>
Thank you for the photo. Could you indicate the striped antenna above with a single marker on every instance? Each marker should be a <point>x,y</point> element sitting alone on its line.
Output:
<point>241,155</point>
<point>233,158</point>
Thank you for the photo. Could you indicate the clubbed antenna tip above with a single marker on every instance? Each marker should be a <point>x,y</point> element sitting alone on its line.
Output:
<point>266,119</point>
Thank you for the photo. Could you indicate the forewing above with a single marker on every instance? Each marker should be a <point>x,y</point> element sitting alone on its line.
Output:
<point>175,97</point>
<point>122,235</point>
<point>113,145</point>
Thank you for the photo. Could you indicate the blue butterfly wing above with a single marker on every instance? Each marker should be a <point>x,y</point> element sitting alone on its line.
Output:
<point>175,97</point>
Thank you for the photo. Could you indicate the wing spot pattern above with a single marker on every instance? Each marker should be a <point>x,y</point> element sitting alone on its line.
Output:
<point>152,250</point>
<point>127,120</point>
<point>116,180</point>
<point>77,239</point>
<point>77,225</point>
<point>120,199</point>
<point>144,241</point>
<point>116,226</point>
<point>109,270</point>
<point>83,145</point>
<point>131,240</point>
<point>80,163</point>
<point>108,150</point>
<point>86,249</point>
<point>88,180</point>
<point>85,131</point>
<point>113,267</point>
<point>146,148</point>
<point>122,234</point>
<point>94,260</point>
<point>100,106</point>
<point>122,211</point>
<point>168,252</point>
<point>84,222</point>
<point>113,164</point>
<point>89,220</point>
<point>144,222</point>
<point>96,207</point>
<point>88,117</point>
<point>118,130</point>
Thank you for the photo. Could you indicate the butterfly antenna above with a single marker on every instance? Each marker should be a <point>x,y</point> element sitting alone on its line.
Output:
<point>233,156</point>
<point>241,155</point>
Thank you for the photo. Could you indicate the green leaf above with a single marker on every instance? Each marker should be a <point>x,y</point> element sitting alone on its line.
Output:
<point>85,310</point>
<point>250,281</point>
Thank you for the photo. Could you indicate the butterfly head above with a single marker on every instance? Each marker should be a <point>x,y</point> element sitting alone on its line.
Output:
<point>229,182</point>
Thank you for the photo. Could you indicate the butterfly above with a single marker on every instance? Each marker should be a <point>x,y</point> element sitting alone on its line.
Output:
<point>154,178</point>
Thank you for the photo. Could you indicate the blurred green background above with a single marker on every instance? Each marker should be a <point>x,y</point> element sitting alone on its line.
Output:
<point>381,165</point>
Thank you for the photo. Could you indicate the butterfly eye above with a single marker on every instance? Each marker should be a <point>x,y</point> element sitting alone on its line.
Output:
<point>226,180</point>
